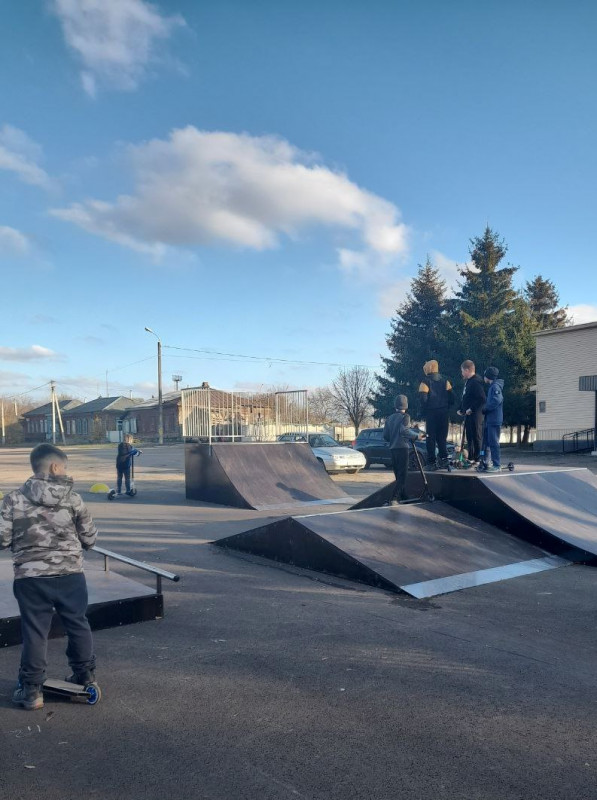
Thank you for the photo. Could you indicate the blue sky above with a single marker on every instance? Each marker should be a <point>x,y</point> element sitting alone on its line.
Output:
<point>262,179</point>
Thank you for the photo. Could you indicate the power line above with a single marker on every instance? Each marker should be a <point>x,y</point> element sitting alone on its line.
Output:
<point>266,359</point>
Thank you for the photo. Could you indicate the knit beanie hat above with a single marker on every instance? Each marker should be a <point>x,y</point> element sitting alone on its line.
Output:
<point>430,366</point>
<point>491,373</point>
<point>401,402</point>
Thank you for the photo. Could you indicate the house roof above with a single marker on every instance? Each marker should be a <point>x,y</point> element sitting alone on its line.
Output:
<point>102,404</point>
<point>64,405</point>
<point>168,397</point>
<point>567,329</point>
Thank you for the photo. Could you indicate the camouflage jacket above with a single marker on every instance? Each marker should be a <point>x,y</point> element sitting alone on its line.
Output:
<point>46,525</point>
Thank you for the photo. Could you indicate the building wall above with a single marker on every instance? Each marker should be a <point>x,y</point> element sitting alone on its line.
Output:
<point>562,357</point>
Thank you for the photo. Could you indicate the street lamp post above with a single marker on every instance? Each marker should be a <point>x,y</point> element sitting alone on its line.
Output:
<point>160,407</point>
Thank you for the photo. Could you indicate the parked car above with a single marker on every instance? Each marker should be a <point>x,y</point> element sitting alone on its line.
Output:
<point>330,453</point>
<point>371,444</point>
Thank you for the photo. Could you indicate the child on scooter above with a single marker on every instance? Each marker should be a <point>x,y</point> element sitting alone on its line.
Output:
<point>126,453</point>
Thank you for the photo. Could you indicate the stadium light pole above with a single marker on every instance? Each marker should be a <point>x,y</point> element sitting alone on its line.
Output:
<point>160,408</point>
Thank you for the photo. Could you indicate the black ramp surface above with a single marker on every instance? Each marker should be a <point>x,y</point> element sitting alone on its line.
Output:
<point>419,549</point>
<point>258,475</point>
<point>563,504</point>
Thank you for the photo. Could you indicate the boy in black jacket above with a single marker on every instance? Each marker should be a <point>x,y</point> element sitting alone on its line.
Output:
<point>435,392</point>
<point>471,408</point>
<point>398,433</point>
<point>126,453</point>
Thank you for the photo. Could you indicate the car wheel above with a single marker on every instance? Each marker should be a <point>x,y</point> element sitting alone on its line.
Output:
<point>367,464</point>
<point>352,471</point>
<point>321,462</point>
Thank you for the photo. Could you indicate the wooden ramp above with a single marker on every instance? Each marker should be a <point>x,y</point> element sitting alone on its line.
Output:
<point>113,600</point>
<point>422,550</point>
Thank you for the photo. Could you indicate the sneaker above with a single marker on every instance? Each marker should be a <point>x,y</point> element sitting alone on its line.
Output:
<point>494,468</point>
<point>393,502</point>
<point>29,696</point>
<point>81,678</point>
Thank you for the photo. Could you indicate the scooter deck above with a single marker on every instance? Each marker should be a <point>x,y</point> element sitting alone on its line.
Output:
<point>83,694</point>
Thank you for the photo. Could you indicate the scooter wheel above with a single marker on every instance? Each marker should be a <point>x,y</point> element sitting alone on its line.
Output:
<point>482,468</point>
<point>94,694</point>
<point>132,493</point>
<point>450,468</point>
<point>111,494</point>
<point>511,467</point>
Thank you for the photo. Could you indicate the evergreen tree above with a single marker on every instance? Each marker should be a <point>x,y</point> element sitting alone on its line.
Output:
<point>544,304</point>
<point>484,302</point>
<point>416,336</point>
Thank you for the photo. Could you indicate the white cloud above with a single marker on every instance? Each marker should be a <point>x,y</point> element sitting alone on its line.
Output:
<point>20,154</point>
<point>200,188</point>
<point>392,296</point>
<point>583,313</point>
<point>115,40</point>
<point>13,242</point>
<point>34,353</point>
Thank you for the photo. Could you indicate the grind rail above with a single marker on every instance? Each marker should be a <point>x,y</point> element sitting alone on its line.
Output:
<point>157,571</point>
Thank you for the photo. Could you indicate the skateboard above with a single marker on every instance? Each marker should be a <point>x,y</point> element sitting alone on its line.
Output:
<point>90,694</point>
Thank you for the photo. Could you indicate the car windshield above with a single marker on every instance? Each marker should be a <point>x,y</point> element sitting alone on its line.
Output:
<point>323,440</point>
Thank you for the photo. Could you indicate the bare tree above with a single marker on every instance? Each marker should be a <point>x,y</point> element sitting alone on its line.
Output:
<point>351,390</point>
<point>323,405</point>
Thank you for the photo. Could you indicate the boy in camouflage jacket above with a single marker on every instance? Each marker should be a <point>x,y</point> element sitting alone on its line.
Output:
<point>47,526</point>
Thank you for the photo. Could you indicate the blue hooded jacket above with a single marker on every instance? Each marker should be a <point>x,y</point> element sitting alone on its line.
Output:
<point>494,405</point>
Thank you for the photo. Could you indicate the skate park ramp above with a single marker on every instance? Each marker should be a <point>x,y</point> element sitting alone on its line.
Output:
<point>258,475</point>
<point>423,550</point>
<point>555,509</point>
<point>114,600</point>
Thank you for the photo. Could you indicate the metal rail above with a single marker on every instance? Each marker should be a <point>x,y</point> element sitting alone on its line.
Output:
<point>159,573</point>
<point>576,446</point>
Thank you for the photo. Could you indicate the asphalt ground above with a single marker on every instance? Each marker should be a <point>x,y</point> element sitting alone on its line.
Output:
<point>268,682</point>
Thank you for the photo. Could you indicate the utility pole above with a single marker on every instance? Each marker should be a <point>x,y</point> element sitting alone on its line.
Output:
<point>53,392</point>
<point>3,428</point>
<point>160,406</point>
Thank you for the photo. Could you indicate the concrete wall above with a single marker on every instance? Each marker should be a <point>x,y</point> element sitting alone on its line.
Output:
<point>562,357</point>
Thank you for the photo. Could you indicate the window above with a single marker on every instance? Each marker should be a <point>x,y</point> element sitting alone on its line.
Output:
<point>542,406</point>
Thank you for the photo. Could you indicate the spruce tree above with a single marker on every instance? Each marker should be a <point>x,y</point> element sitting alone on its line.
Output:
<point>416,336</point>
<point>544,303</point>
<point>484,302</point>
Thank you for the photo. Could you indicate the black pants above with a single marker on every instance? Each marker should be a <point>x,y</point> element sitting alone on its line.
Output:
<point>123,472</point>
<point>400,467</point>
<point>436,427</point>
<point>37,599</point>
<point>473,426</point>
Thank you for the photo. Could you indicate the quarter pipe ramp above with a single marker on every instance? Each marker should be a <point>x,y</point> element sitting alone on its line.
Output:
<point>257,475</point>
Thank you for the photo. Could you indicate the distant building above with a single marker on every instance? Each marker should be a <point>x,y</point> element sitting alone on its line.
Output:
<point>99,420</point>
<point>566,386</point>
<point>37,423</point>
<point>143,419</point>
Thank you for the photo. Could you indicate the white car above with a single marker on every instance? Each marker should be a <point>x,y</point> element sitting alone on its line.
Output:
<point>333,456</point>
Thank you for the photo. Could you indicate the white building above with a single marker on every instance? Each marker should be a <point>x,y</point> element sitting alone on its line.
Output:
<point>566,386</point>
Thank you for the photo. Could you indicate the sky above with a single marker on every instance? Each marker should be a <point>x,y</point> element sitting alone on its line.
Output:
<point>258,182</point>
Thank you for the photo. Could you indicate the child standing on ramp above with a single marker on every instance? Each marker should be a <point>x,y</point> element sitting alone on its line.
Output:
<point>398,433</point>
<point>47,526</point>
<point>493,411</point>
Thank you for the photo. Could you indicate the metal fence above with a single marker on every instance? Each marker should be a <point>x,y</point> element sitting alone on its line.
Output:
<point>215,415</point>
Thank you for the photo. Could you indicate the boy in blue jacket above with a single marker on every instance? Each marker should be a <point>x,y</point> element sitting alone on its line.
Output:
<point>493,411</point>
<point>398,433</point>
<point>124,459</point>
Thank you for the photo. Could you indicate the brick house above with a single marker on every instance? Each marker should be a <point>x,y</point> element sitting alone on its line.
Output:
<point>142,420</point>
<point>37,423</point>
<point>99,420</point>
